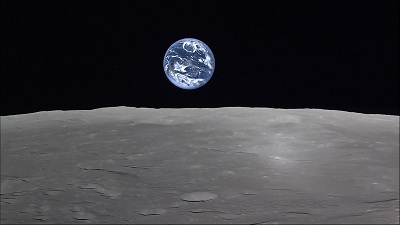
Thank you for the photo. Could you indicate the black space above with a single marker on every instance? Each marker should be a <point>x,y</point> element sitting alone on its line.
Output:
<point>74,55</point>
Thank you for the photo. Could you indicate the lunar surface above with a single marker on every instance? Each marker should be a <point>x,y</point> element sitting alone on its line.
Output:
<point>199,166</point>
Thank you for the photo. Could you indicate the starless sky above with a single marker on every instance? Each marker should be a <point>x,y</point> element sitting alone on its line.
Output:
<point>74,55</point>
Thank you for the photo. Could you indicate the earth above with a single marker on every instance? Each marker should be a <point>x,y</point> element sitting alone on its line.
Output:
<point>189,63</point>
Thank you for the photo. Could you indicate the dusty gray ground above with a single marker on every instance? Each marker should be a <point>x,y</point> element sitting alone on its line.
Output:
<point>224,165</point>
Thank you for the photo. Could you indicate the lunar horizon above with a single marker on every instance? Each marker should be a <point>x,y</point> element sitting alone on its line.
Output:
<point>230,165</point>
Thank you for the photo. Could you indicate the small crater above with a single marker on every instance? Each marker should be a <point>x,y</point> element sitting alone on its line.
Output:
<point>248,193</point>
<point>53,192</point>
<point>8,200</point>
<point>198,196</point>
<point>227,173</point>
<point>83,216</point>
<point>200,210</point>
<point>111,194</point>
<point>89,186</point>
<point>229,216</point>
<point>152,212</point>
<point>42,217</point>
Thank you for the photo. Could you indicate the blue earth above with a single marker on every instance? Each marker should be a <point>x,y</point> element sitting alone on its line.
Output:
<point>189,63</point>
